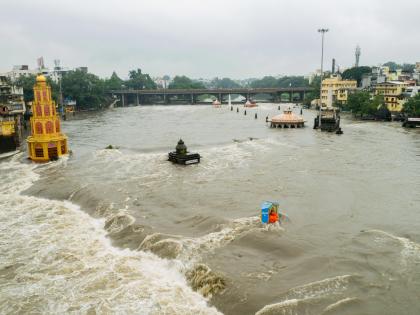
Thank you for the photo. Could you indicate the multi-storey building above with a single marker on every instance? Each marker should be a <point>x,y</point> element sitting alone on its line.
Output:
<point>336,90</point>
<point>393,94</point>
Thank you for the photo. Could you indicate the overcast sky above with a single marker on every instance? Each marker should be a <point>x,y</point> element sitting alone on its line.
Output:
<point>207,38</point>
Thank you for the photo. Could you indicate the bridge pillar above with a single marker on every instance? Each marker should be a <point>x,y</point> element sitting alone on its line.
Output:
<point>192,99</point>
<point>137,100</point>
<point>122,100</point>
<point>220,98</point>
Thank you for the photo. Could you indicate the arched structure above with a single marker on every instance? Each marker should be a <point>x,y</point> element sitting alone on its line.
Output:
<point>46,142</point>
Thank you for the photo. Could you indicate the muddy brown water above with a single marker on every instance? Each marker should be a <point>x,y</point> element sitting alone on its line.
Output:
<point>125,231</point>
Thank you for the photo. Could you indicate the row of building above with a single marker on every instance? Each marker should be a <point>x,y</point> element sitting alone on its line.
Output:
<point>395,86</point>
<point>53,73</point>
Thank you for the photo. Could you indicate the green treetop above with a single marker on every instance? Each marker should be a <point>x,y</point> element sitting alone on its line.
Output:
<point>86,88</point>
<point>412,106</point>
<point>114,82</point>
<point>183,82</point>
<point>356,73</point>
<point>138,81</point>
<point>224,83</point>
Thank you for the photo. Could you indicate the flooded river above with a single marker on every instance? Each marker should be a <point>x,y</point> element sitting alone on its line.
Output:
<point>125,231</point>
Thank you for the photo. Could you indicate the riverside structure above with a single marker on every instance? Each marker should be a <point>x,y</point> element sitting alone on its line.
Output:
<point>46,142</point>
<point>287,120</point>
<point>190,96</point>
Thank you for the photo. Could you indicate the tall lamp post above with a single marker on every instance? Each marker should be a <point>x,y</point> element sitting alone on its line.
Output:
<point>322,31</point>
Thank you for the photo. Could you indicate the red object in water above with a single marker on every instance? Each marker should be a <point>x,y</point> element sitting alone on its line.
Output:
<point>273,218</point>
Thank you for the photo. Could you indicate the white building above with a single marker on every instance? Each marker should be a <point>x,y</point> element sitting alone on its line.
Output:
<point>23,70</point>
<point>411,91</point>
<point>20,70</point>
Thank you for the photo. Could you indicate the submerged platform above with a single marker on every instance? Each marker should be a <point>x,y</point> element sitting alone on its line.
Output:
<point>184,159</point>
<point>182,156</point>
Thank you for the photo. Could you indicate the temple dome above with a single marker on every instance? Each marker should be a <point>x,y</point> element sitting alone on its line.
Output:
<point>287,117</point>
<point>41,78</point>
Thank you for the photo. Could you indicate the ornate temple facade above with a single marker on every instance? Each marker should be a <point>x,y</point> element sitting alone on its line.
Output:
<point>46,142</point>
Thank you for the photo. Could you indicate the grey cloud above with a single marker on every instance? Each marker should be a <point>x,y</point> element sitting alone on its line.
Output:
<point>207,38</point>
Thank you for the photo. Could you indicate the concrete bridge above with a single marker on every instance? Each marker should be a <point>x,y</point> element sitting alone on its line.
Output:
<point>191,96</point>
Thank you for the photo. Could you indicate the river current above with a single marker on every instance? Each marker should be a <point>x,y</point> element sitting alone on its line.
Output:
<point>125,231</point>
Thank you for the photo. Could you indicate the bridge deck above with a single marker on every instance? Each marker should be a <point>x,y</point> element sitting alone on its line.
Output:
<point>215,91</point>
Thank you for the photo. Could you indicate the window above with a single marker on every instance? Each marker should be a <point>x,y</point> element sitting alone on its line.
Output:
<point>49,127</point>
<point>38,128</point>
<point>39,152</point>
<point>38,110</point>
<point>47,110</point>
<point>57,126</point>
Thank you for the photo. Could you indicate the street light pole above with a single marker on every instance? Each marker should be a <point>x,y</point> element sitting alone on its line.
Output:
<point>322,31</point>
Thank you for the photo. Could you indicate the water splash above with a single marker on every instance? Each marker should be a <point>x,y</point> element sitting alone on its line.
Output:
<point>57,259</point>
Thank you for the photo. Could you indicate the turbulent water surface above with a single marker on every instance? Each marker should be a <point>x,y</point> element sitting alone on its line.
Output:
<point>125,231</point>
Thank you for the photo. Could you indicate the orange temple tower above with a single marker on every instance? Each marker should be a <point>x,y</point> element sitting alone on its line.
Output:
<point>46,142</point>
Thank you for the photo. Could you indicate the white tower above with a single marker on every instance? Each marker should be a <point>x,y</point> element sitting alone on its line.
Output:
<point>357,54</point>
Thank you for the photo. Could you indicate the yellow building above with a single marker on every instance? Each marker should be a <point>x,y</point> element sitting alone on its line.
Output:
<point>335,89</point>
<point>393,94</point>
<point>46,142</point>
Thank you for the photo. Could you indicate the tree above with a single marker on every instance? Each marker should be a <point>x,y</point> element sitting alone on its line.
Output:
<point>114,82</point>
<point>356,73</point>
<point>412,106</point>
<point>314,94</point>
<point>265,82</point>
<point>405,67</point>
<point>224,83</point>
<point>286,81</point>
<point>374,105</point>
<point>183,82</point>
<point>391,65</point>
<point>138,81</point>
<point>358,102</point>
<point>86,88</point>
<point>382,111</point>
<point>27,84</point>
<point>408,68</point>
<point>291,81</point>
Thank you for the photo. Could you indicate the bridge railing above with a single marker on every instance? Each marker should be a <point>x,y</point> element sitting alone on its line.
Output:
<point>214,91</point>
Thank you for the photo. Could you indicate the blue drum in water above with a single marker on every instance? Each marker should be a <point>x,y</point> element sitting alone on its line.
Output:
<point>266,207</point>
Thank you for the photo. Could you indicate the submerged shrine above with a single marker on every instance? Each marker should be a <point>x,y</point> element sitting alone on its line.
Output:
<point>46,142</point>
<point>287,120</point>
<point>182,156</point>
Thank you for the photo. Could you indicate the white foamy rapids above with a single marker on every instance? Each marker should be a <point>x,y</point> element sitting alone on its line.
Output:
<point>234,156</point>
<point>136,166</point>
<point>319,289</point>
<point>337,305</point>
<point>298,299</point>
<point>191,250</point>
<point>151,169</point>
<point>410,252</point>
<point>56,259</point>
<point>282,308</point>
